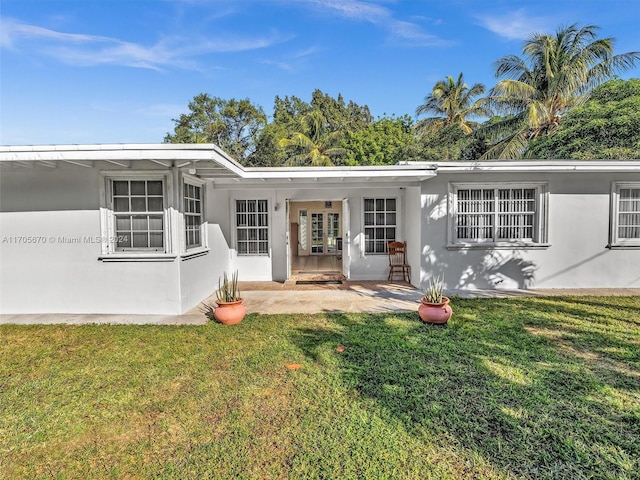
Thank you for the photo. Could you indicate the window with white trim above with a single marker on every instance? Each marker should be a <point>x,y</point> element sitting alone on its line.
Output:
<point>625,228</point>
<point>380,223</point>
<point>138,208</point>
<point>500,213</point>
<point>252,227</point>
<point>193,217</point>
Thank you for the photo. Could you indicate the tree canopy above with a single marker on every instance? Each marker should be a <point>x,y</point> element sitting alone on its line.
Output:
<point>315,132</point>
<point>315,145</point>
<point>552,102</point>
<point>452,103</point>
<point>557,73</point>
<point>607,126</point>
<point>383,142</point>
<point>233,125</point>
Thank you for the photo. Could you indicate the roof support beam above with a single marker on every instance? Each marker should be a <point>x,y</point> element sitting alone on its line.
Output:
<point>78,163</point>
<point>160,162</point>
<point>120,164</point>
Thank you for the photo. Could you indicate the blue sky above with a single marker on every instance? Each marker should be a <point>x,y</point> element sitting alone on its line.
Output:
<point>99,71</point>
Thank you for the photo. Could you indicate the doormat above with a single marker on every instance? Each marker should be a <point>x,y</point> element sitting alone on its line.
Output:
<point>318,282</point>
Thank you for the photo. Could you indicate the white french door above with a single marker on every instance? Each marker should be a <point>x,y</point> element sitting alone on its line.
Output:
<point>346,239</point>
<point>317,233</point>
<point>324,231</point>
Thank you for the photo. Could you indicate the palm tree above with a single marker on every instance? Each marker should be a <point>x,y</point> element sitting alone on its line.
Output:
<point>557,73</point>
<point>452,102</point>
<point>316,146</point>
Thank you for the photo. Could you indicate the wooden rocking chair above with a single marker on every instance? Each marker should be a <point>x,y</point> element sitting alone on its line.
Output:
<point>398,260</point>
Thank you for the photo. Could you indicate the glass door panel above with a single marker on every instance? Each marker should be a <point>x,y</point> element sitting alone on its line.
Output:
<point>333,232</point>
<point>317,233</point>
<point>302,231</point>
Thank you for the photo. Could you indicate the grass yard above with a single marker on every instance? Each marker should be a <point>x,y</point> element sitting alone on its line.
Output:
<point>540,388</point>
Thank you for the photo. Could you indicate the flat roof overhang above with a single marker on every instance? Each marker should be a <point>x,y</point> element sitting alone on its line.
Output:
<point>206,161</point>
<point>522,166</point>
<point>321,177</point>
<point>210,162</point>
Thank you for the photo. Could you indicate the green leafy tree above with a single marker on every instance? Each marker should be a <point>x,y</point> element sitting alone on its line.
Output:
<point>290,112</point>
<point>316,146</point>
<point>268,151</point>
<point>384,142</point>
<point>451,101</point>
<point>233,125</point>
<point>449,144</point>
<point>313,133</point>
<point>607,126</point>
<point>338,115</point>
<point>557,73</point>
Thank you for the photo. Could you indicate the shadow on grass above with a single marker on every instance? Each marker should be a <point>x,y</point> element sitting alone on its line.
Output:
<point>538,388</point>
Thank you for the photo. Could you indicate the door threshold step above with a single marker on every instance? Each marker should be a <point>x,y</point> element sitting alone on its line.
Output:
<point>318,282</point>
<point>317,277</point>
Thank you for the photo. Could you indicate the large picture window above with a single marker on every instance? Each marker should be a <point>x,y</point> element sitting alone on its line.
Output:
<point>252,227</point>
<point>193,215</point>
<point>625,228</point>
<point>138,210</point>
<point>380,223</point>
<point>497,214</point>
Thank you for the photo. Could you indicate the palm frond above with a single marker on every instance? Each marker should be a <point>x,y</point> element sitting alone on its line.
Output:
<point>556,73</point>
<point>510,66</point>
<point>450,102</point>
<point>510,148</point>
<point>427,126</point>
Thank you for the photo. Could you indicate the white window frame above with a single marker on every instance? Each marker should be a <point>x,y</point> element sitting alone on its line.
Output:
<point>614,239</point>
<point>108,238</point>
<point>365,226</point>
<point>541,219</point>
<point>257,198</point>
<point>204,241</point>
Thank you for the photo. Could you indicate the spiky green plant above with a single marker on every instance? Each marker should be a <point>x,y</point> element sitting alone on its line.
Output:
<point>434,292</point>
<point>228,290</point>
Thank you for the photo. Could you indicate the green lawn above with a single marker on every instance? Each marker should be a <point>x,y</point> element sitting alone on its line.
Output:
<point>511,388</point>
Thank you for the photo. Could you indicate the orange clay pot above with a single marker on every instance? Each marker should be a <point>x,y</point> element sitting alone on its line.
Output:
<point>230,313</point>
<point>436,313</point>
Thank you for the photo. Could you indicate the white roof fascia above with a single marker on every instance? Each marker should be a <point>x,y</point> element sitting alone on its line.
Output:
<point>190,154</point>
<point>524,166</point>
<point>342,173</point>
<point>182,154</point>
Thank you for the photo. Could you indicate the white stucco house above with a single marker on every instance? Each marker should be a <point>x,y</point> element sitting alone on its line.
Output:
<point>150,228</point>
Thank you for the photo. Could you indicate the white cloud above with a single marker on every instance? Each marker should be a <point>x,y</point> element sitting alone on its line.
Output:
<point>413,33</point>
<point>515,25</point>
<point>13,31</point>
<point>399,30</point>
<point>293,61</point>
<point>281,65</point>
<point>89,50</point>
<point>355,9</point>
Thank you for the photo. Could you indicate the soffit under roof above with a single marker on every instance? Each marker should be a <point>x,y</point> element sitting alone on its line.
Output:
<point>203,160</point>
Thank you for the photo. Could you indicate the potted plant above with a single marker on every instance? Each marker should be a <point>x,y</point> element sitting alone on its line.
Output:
<point>230,309</point>
<point>434,306</point>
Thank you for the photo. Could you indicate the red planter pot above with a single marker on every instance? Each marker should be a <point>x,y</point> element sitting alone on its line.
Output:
<point>230,313</point>
<point>436,313</point>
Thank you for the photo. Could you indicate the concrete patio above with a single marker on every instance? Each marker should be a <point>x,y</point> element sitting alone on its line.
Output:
<point>289,298</point>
